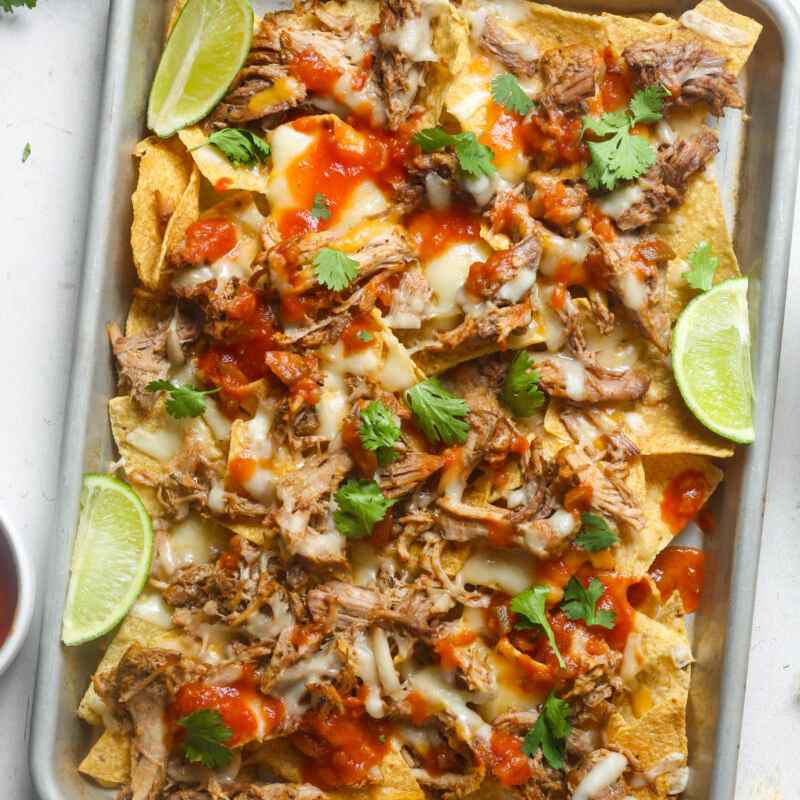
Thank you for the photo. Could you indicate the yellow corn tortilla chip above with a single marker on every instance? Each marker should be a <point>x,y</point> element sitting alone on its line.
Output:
<point>147,311</point>
<point>108,763</point>
<point>634,556</point>
<point>650,719</point>
<point>551,27</point>
<point>156,428</point>
<point>165,203</point>
<point>132,629</point>
<point>216,168</point>
<point>700,219</point>
<point>625,31</point>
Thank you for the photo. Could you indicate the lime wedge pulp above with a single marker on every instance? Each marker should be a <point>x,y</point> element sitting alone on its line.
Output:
<point>110,558</point>
<point>711,360</point>
<point>204,52</point>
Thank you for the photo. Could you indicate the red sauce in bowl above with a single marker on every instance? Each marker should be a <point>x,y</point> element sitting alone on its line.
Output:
<point>8,590</point>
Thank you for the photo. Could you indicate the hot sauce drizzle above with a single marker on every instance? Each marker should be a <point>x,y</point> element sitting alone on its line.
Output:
<point>683,498</point>
<point>681,569</point>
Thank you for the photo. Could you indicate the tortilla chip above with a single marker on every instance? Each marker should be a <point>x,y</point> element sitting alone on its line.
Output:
<point>132,629</point>
<point>126,418</point>
<point>700,218</point>
<point>634,557</point>
<point>551,27</point>
<point>625,31</point>
<point>217,170</point>
<point>147,311</point>
<point>108,763</point>
<point>165,203</point>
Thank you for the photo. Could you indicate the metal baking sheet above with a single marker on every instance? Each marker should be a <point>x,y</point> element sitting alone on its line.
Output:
<point>758,167</point>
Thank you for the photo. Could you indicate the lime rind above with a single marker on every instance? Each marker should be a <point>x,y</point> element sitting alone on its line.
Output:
<point>204,53</point>
<point>711,360</point>
<point>110,559</point>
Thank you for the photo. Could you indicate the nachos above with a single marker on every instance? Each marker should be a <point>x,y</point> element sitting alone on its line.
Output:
<point>395,390</point>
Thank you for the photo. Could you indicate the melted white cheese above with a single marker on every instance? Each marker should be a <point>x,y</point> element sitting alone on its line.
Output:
<point>604,774</point>
<point>556,249</point>
<point>413,38</point>
<point>441,696</point>
<point>151,607</point>
<point>633,290</point>
<point>711,29</point>
<point>367,670</point>
<point>515,289</point>
<point>220,425</point>
<point>162,444</point>
<point>620,201</point>
<point>384,662</point>
<point>437,190</point>
<point>286,145</point>
<point>196,540</point>
<point>291,685</point>
<point>510,571</point>
<point>484,187</point>
<point>447,273</point>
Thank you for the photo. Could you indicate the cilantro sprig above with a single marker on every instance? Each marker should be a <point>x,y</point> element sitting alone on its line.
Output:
<point>550,732</point>
<point>205,734</point>
<point>473,157</point>
<point>507,92</point>
<point>530,605</point>
<point>378,431</point>
<point>26,152</point>
<point>10,5</point>
<point>521,391</point>
<point>580,602</point>
<point>622,156</point>
<point>703,265</point>
<point>439,413</point>
<point>334,269</point>
<point>239,146</point>
<point>361,505</point>
<point>319,209</point>
<point>595,534</point>
<point>182,401</point>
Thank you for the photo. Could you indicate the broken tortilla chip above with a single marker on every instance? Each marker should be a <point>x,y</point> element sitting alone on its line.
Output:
<point>165,203</point>
<point>148,442</point>
<point>133,629</point>
<point>635,555</point>
<point>216,168</point>
<point>108,763</point>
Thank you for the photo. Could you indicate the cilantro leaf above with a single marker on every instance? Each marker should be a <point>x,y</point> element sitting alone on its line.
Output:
<point>365,336</point>
<point>611,122</point>
<point>361,505</point>
<point>632,158</point>
<point>10,5</point>
<point>239,146</point>
<point>647,104</point>
<point>473,157</point>
<point>205,732</point>
<point>334,269</point>
<point>183,401</point>
<point>379,431</point>
<point>430,139</point>
<point>622,156</point>
<point>26,152</point>
<point>320,208</point>
<point>595,534</point>
<point>550,732</point>
<point>521,391</point>
<point>530,605</point>
<point>703,265</point>
<point>507,92</point>
<point>581,603</point>
<point>439,413</point>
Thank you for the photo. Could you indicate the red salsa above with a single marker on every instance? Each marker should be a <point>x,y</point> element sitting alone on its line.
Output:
<point>683,498</point>
<point>681,569</point>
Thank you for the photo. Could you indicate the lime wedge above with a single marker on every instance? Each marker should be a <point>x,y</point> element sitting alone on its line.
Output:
<point>110,558</point>
<point>711,360</point>
<point>205,50</point>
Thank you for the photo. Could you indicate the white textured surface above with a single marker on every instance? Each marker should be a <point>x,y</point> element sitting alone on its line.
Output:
<point>50,70</point>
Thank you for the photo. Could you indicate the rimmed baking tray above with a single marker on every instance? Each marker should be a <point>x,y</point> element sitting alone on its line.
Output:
<point>758,168</point>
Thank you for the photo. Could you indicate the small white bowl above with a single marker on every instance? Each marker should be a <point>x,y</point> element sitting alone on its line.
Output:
<point>26,594</point>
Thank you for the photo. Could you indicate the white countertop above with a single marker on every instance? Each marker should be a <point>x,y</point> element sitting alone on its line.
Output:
<point>51,62</point>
